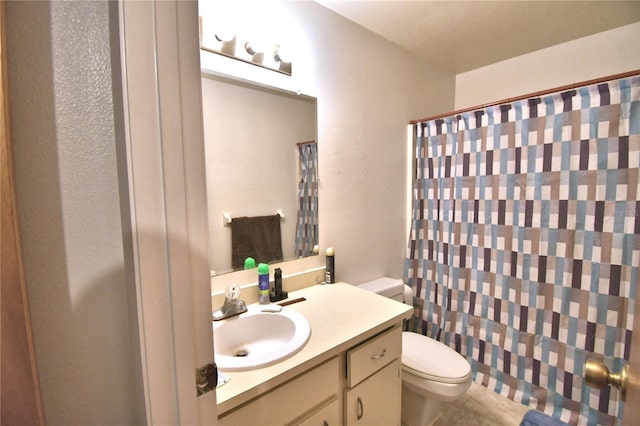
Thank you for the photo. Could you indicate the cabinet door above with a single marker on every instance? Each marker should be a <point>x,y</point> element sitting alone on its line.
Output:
<point>328,416</point>
<point>376,401</point>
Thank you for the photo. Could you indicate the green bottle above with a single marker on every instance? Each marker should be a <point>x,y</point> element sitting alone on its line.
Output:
<point>263,284</point>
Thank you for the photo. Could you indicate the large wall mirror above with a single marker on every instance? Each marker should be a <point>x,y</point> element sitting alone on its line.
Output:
<point>261,164</point>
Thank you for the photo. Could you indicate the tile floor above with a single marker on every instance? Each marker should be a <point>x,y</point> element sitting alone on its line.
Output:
<point>482,407</point>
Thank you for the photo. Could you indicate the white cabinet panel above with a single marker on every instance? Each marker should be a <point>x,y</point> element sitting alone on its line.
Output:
<point>376,401</point>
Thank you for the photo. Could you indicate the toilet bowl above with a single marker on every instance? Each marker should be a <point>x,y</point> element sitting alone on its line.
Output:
<point>432,373</point>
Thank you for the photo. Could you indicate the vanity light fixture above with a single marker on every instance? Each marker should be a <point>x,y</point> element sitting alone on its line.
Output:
<point>252,49</point>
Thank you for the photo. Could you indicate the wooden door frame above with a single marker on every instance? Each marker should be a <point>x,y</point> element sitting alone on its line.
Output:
<point>21,401</point>
<point>167,215</point>
<point>631,409</point>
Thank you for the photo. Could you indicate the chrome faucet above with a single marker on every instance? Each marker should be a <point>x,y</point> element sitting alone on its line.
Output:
<point>232,305</point>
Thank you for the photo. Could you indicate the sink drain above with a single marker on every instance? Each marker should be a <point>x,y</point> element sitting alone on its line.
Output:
<point>242,353</point>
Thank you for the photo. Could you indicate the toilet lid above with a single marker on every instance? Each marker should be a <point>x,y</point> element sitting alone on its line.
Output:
<point>432,360</point>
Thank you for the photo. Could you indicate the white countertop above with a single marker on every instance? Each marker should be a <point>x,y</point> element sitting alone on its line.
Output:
<point>340,315</point>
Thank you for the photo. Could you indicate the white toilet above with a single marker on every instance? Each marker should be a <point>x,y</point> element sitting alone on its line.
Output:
<point>432,372</point>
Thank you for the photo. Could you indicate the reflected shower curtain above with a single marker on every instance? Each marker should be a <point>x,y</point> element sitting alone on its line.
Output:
<point>524,249</point>
<point>307,219</point>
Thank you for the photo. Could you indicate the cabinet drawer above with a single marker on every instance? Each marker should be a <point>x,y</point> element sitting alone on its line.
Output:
<point>370,356</point>
<point>290,400</point>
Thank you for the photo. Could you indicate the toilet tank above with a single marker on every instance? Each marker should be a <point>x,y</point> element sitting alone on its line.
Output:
<point>392,288</point>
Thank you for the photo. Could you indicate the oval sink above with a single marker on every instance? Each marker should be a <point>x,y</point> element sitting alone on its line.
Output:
<point>257,339</point>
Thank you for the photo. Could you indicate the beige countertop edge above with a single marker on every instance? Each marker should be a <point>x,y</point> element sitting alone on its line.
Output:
<point>340,315</point>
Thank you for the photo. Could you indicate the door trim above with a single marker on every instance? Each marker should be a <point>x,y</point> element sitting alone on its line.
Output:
<point>165,183</point>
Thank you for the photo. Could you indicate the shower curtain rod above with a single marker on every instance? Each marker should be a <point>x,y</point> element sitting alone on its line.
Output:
<point>305,143</point>
<point>532,95</point>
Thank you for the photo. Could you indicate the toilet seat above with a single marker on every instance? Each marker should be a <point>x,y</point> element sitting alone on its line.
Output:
<point>429,359</point>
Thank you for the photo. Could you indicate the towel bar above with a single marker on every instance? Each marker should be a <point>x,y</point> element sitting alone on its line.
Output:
<point>226,217</point>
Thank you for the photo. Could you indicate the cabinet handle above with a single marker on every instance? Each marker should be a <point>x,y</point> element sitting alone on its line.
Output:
<point>380,355</point>
<point>325,423</point>
<point>360,409</point>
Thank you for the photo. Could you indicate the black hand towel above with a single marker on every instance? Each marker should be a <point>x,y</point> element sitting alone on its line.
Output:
<point>258,237</point>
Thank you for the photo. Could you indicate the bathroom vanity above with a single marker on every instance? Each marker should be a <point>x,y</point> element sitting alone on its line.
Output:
<point>347,373</point>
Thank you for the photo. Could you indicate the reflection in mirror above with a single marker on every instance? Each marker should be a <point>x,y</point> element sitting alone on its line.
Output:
<point>261,167</point>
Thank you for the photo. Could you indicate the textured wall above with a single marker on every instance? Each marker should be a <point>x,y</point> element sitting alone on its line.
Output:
<point>599,55</point>
<point>67,191</point>
<point>368,91</point>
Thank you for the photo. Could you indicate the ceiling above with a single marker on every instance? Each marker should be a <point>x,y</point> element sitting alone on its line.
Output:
<point>465,35</point>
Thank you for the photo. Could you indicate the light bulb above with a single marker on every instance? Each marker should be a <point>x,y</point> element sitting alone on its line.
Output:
<point>283,54</point>
<point>225,35</point>
<point>255,46</point>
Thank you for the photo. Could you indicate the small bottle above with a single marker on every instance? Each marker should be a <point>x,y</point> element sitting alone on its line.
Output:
<point>330,269</point>
<point>263,284</point>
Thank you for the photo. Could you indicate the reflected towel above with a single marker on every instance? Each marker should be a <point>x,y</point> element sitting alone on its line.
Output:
<point>258,237</point>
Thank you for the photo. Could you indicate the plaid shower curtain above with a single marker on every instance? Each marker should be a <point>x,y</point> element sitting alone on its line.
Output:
<point>524,249</point>
<point>307,217</point>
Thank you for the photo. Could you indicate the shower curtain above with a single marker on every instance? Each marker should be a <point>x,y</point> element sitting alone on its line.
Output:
<point>307,217</point>
<point>524,249</point>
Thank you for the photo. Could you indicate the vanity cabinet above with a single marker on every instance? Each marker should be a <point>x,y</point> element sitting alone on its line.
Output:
<point>347,374</point>
<point>368,388</point>
<point>374,381</point>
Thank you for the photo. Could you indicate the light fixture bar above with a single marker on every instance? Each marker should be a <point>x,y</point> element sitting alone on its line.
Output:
<point>233,45</point>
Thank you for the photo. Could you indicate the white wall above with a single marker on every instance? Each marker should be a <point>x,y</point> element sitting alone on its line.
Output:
<point>599,55</point>
<point>368,90</point>
<point>64,133</point>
